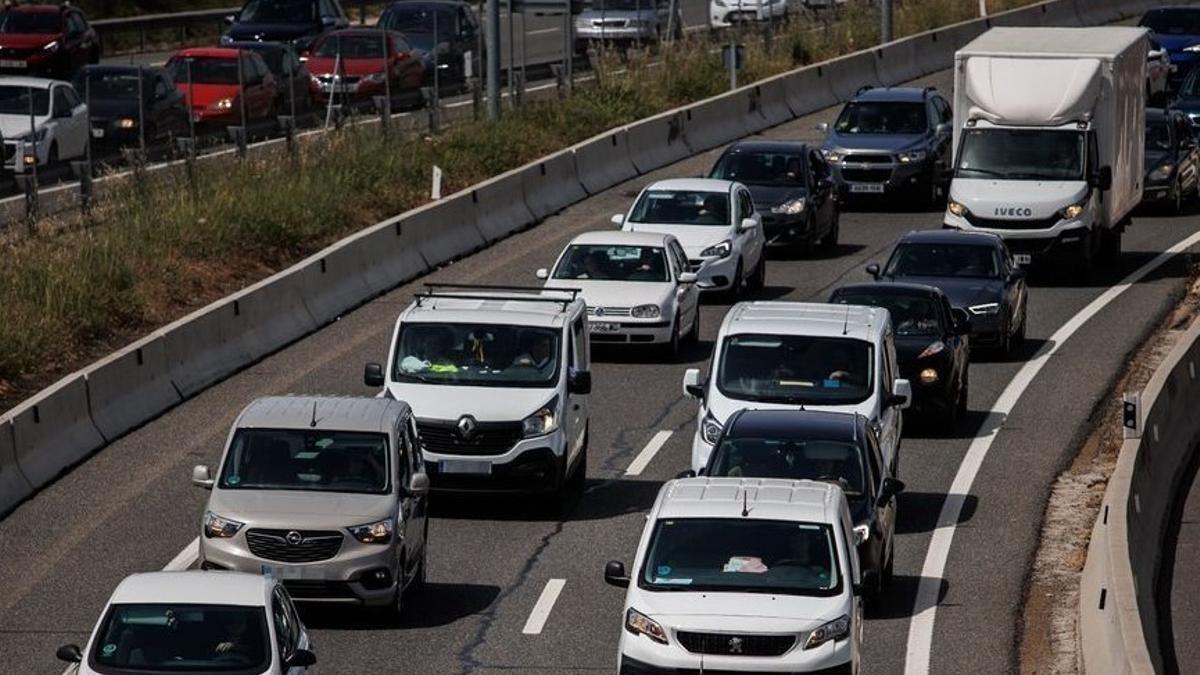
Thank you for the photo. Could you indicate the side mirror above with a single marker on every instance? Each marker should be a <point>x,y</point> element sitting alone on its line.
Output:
<point>1016,274</point>
<point>686,473</point>
<point>901,394</point>
<point>873,270</point>
<point>418,485</point>
<point>542,273</point>
<point>373,375</point>
<point>301,658</point>
<point>614,574</point>
<point>1154,54</point>
<point>328,21</point>
<point>691,383</point>
<point>687,277</point>
<point>823,127</point>
<point>941,129</point>
<point>202,477</point>
<point>69,653</point>
<point>579,382</point>
<point>618,219</point>
<point>747,224</point>
<point>229,19</point>
<point>1102,179</point>
<point>891,488</point>
<point>962,321</point>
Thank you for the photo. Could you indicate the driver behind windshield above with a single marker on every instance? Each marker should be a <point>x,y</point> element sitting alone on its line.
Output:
<point>539,353</point>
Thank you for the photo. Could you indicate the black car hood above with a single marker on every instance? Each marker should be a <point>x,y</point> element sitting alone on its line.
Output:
<point>883,142</point>
<point>273,32</point>
<point>113,108</point>
<point>962,291</point>
<point>766,196</point>
<point>908,348</point>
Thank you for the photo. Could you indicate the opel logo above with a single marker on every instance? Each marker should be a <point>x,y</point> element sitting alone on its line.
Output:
<point>735,645</point>
<point>293,538</point>
<point>466,427</point>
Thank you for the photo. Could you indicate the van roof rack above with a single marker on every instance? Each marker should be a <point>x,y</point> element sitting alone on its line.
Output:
<point>498,292</point>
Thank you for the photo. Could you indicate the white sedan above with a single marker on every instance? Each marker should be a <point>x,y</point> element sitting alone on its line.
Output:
<point>716,223</point>
<point>636,285</point>
<point>193,621</point>
<point>44,119</point>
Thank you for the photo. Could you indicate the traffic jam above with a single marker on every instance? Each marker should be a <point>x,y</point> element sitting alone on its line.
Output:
<point>761,554</point>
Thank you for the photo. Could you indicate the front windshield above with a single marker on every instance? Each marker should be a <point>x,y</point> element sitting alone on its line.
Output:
<point>876,117</point>
<point>15,100</point>
<point>204,70</point>
<point>613,263</point>
<point>307,459</point>
<point>681,207</point>
<point>796,369</point>
<point>480,355</point>
<point>942,260</point>
<point>1172,21</point>
<point>911,314</point>
<point>182,638</point>
<point>351,47</point>
<point>784,169</point>
<point>791,459</point>
<point>41,23</point>
<point>279,11</point>
<point>109,86</point>
<point>742,556</point>
<point>1158,136</point>
<point>1021,154</point>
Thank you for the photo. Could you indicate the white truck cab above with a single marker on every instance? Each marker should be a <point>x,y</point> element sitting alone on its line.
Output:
<point>781,355</point>
<point>499,380</point>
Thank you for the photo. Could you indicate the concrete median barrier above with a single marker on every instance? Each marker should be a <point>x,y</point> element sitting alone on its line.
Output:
<point>848,74</point>
<point>603,161</point>
<point>53,431</point>
<point>718,120</point>
<point>331,282</point>
<point>772,102</point>
<point>500,207</point>
<point>957,36</point>
<point>1092,13</point>
<point>444,230</point>
<point>387,256</point>
<point>898,62</point>
<point>552,184</point>
<point>203,347</point>
<point>129,387</point>
<point>658,141</point>
<point>13,486</point>
<point>808,90</point>
<point>934,52</point>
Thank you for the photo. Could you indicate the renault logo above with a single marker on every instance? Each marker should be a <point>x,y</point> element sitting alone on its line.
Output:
<point>293,538</point>
<point>735,645</point>
<point>466,427</point>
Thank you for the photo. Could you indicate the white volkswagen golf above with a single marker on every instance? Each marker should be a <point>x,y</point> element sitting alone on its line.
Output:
<point>636,285</point>
<point>714,220</point>
<point>742,575</point>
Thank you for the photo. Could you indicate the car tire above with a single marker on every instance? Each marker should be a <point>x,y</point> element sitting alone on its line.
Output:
<point>52,155</point>
<point>398,604</point>
<point>1175,205</point>
<point>735,287</point>
<point>1019,337</point>
<point>672,344</point>
<point>759,279</point>
<point>964,391</point>
<point>889,570</point>
<point>830,242</point>
<point>1006,342</point>
<point>578,479</point>
<point>693,335</point>
<point>1110,245</point>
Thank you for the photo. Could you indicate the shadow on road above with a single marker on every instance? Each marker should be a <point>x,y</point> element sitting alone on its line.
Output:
<point>917,512</point>
<point>440,604</point>
<point>897,601</point>
<point>601,500</point>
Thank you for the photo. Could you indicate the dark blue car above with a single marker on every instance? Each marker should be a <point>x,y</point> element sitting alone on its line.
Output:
<point>1176,29</point>
<point>295,22</point>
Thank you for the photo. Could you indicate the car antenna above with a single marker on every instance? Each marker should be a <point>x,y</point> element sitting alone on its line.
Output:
<point>846,321</point>
<point>313,423</point>
<point>745,503</point>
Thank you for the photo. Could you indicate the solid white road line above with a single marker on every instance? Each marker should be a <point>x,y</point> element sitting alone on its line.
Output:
<point>541,610</point>
<point>643,459</point>
<point>920,632</point>
<point>185,558</point>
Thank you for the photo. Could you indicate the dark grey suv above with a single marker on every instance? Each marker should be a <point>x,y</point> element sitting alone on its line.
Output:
<point>888,141</point>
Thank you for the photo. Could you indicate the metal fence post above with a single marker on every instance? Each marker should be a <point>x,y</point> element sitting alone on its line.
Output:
<point>885,32</point>
<point>241,133</point>
<point>493,59</point>
<point>386,112</point>
<point>191,101</point>
<point>141,118</point>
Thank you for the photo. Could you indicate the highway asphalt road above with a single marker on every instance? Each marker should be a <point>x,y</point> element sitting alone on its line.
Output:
<point>132,508</point>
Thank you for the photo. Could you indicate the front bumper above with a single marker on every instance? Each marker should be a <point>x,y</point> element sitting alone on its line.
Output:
<point>714,274</point>
<point>935,397</point>
<point>532,466</point>
<point>1038,239</point>
<point>13,149</point>
<point>604,329</point>
<point>640,655</point>
<point>865,179</point>
<point>782,229</point>
<point>615,33</point>
<point>109,132</point>
<point>734,12</point>
<point>1156,192</point>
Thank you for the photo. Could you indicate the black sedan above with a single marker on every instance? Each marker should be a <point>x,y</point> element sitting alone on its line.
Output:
<point>818,445</point>
<point>1172,160</point>
<point>790,186</point>
<point>931,344</point>
<point>295,22</point>
<point>445,31</point>
<point>977,274</point>
<point>290,73</point>
<point>112,94</point>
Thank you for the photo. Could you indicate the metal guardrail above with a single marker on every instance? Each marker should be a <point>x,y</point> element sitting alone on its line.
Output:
<point>107,28</point>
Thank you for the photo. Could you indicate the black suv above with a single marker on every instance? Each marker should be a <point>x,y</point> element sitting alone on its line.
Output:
<point>819,445</point>
<point>447,29</point>
<point>295,22</point>
<point>892,140</point>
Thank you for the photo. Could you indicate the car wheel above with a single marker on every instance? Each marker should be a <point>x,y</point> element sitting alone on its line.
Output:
<point>398,602</point>
<point>963,394</point>
<point>934,196</point>
<point>889,570</point>
<point>693,335</point>
<point>735,288</point>
<point>578,480</point>
<point>1175,206</point>
<point>1019,336</point>
<point>830,242</point>
<point>52,155</point>
<point>672,345</point>
<point>759,280</point>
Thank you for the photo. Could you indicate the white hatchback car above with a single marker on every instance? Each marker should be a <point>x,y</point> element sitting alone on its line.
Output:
<point>778,355</point>
<point>714,220</point>
<point>743,575</point>
<point>725,13</point>
<point>194,621</point>
<point>636,285</point>
<point>58,129</point>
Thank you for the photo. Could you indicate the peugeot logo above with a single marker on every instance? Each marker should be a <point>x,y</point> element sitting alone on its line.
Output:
<point>1013,211</point>
<point>466,427</point>
<point>293,538</point>
<point>735,645</point>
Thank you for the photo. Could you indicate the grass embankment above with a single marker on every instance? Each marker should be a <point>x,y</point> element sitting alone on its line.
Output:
<point>69,293</point>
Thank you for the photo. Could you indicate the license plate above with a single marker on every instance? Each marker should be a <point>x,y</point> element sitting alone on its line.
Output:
<point>11,63</point>
<point>1022,258</point>
<point>870,188</point>
<point>465,466</point>
<point>292,572</point>
<point>97,132</point>
<point>599,327</point>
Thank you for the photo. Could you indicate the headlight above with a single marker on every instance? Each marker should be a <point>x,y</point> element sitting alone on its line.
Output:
<point>126,123</point>
<point>51,46</point>
<point>222,104</point>
<point>710,429</point>
<point>378,532</point>
<point>833,156</point>
<point>542,422</point>
<point>929,376</point>
<point>838,629</point>
<point>910,157</point>
<point>721,250</point>
<point>640,624</point>
<point>719,3</point>
<point>217,527</point>
<point>1192,48</point>
<point>956,208</point>
<point>986,309</point>
<point>935,348</point>
<point>227,39</point>
<point>645,312</point>
<point>791,207</point>
<point>374,78</point>
<point>1073,211</point>
<point>1161,172</point>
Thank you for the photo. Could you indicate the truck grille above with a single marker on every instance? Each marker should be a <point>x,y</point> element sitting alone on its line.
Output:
<point>488,438</point>
<point>736,644</point>
<point>314,545</point>
<point>867,175</point>
<point>997,224</point>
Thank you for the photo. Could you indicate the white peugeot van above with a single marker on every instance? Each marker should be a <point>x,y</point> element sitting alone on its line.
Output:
<point>772,355</point>
<point>743,575</point>
<point>498,377</point>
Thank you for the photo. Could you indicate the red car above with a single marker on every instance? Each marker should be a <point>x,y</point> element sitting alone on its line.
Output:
<point>363,66</point>
<point>50,40</point>
<point>213,93</point>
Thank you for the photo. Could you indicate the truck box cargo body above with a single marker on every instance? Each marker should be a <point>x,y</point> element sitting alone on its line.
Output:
<point>1049,127</point>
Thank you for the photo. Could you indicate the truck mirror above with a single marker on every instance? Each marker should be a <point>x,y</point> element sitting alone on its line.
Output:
<point>1103,179</point>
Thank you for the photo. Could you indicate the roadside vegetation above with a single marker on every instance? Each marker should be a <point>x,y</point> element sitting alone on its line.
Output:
<point>72,290</point>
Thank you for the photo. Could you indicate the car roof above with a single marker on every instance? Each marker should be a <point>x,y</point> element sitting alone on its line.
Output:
<point>358,31</point>
<point>332,413</point>
<point>762,499</point>
<point>194,587</point>
<point>892,94</point>
<point>815,425</point>
<point>890,288</point>
<point>950,237</point>
<point>622,238</point>
<point>35,82</point>
<point>418,4</point>
<point>768,146</point>
<point>817,319</point>
<point>117,69</point>
<point>37,9</point>
<point>504,309</point>
<point>254,45</point>
<point>207,53</point>
<point>693,184</point>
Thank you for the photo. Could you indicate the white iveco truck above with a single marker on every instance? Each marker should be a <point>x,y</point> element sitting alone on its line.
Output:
<point>1049,128</point>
